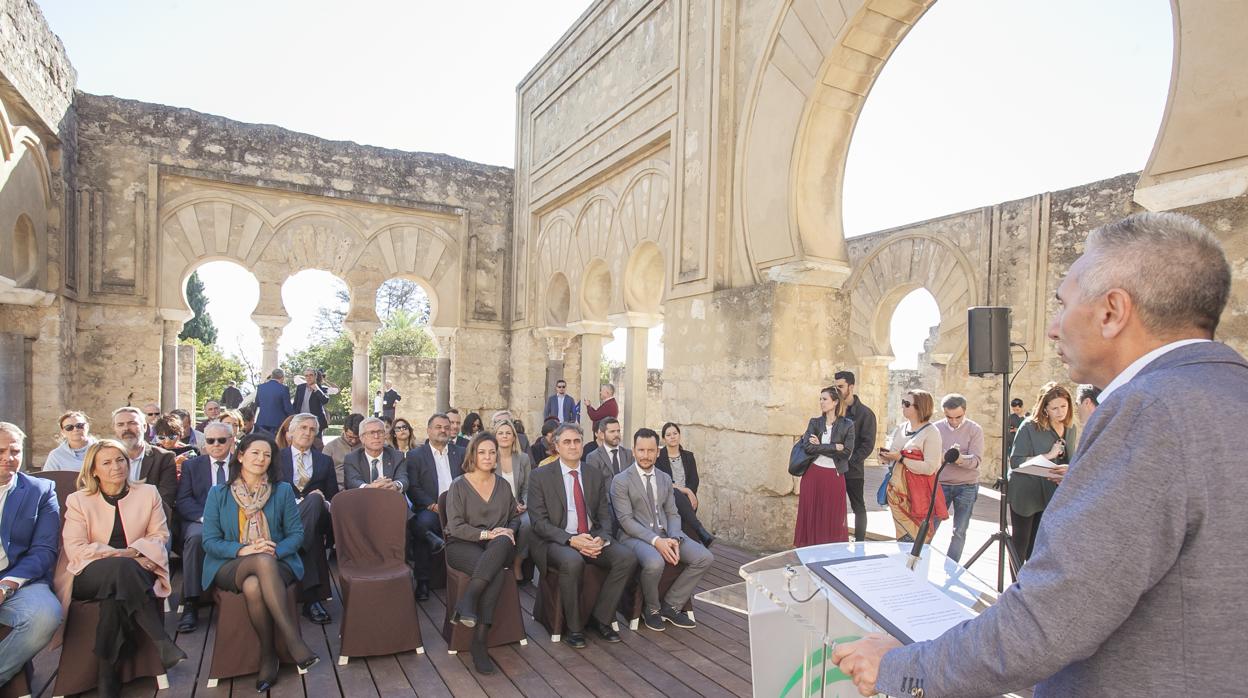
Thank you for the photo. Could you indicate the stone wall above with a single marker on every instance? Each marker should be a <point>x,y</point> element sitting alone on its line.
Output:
<point>186,380</point>
<point>654,395</point>
<point>33,63</point>
<point>416,379</point>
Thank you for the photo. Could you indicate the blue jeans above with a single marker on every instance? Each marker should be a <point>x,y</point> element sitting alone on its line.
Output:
<point>961,499</point>
<point>34,613</point>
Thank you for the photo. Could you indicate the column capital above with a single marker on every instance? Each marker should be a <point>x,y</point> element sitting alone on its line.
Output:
<point>604,329</point>
<point>811,271</point>
<point>180,315</point>
<point>269,335</point>
<point>170,329</point>
<point>635,319</point>
<point>270,321</point>
<point>361,333</point>
<point>445,338</point>
<point>557,341</point>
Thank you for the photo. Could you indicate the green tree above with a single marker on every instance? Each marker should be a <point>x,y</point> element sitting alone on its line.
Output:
<point>200,327</point>
<point>605,367</point>
<point>213,371</point>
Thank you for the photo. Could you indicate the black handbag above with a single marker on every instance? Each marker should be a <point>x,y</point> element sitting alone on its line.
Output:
<point>799,460</point>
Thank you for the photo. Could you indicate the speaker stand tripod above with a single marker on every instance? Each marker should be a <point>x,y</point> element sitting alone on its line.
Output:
<point>1002,537</point>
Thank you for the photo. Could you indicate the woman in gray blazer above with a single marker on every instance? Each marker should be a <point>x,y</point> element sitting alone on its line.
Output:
<point>514,466</point>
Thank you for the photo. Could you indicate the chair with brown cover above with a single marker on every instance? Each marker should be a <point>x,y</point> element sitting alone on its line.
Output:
<point>65,481</point>
<point>378,607</point>
<point>236,648</point>
<point>548,607</point>
<point>19,685</point>
<point>78,671</point>
<point>632,603</point>
<point>508,624</point>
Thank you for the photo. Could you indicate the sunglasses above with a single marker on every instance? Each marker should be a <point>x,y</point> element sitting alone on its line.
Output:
<point>212,441</point>
<point>402,427</point>
<point>906,403</point>
<point>153,414</point>
<point>75,427</point>
<point>166,437</point>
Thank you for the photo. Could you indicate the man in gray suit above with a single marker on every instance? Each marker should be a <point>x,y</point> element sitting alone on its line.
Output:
<point>645,506</point>
<point>1136,582</point>
<point>612,458</point>
<point>376,464</point>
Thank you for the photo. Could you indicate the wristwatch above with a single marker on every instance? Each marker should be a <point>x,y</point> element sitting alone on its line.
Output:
<point>7,591</point>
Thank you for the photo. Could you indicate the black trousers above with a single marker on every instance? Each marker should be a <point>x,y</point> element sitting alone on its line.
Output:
<point>684,507</point>
<point>1024,529</point>
<point>570,565</point>
<point>124,591</point>
<point>422,522</point>
<point>853,488</point>
<point>315,517</point>
<point>485,562</point>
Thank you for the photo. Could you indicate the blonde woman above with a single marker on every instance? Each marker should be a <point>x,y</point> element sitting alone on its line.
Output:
<point>514,466</point>
<point>75,435</point>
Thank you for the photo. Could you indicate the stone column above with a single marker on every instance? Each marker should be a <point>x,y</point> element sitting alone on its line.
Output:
<point>270,333</point>
<point>361,337</point>
<point>444,337</point>
<point>13,386</point>
<point>637,344</point>
<point>169,364</point>
<point>557,341</point>
<point>593,335</point>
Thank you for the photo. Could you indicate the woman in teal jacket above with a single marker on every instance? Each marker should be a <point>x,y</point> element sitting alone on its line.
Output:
<point>252,534</point>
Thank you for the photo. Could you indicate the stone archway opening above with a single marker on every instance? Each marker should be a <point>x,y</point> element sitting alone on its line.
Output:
<point>230,292</point>
<point>404,353</point>
<point>913,332</point>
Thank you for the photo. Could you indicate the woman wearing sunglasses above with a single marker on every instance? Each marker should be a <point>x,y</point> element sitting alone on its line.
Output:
<point>76,438</point>
<point>168,435</point>
<point>402,437</point>
<point>914,450</point>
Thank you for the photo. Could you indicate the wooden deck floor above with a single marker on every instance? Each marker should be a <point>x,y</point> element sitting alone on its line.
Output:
<point>711,660</point>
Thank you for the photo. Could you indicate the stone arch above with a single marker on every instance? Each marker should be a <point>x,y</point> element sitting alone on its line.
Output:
<point>645,279</point>
<point>557,301</point>
<point>554,250</point>
<point>25,203</point>
<point>417,251</point>
<point>592,228</point>
<point>25,251</point>
<point>429,290</point>
<point>596,291</point>
<point>895,268</point>
<point>216,258</point>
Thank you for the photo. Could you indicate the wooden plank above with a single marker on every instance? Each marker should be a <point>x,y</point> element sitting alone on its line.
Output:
<point>388,676</point>
<point>522,677</point>
<point>460,680</point>
<point>589,675</point>
<point>354,679</point>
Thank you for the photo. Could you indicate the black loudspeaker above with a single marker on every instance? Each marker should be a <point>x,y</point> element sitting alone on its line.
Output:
<point>989,329</point>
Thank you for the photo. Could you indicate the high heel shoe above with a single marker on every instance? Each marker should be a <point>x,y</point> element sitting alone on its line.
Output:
<point>263,686</point>
<point>307,664</point>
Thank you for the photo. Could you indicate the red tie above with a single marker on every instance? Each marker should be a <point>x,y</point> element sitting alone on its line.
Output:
<point>582,519</point>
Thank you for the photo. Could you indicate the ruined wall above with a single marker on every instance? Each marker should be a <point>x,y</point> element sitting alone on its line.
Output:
<point>416,379</point>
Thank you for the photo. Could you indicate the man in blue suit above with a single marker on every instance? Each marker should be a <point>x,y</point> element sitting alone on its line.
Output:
<point>430,467</point>
<point>199,474</point>
<point>30,532</point>
<point>559,406</point>
<point>273,403</point>
<point>316,482</point>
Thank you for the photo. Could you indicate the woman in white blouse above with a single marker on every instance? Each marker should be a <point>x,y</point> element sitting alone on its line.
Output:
<point>514,466</point>
<point>915,445</point>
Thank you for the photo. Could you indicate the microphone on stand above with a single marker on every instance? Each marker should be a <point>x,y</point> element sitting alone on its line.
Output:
<point>951,456</point>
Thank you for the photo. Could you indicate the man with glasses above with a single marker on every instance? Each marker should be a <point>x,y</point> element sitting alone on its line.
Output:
<point>338,449</point>
<point>152,413</point>
<point>199,474</point>
<point>431,467</point>
<point>559,406</point>
<point>864,448</point>
<point>149,464</point>
<point>312,475</point>
<point>960,479</point>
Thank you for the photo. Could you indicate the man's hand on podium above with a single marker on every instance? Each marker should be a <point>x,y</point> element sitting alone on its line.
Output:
<point>860,660</point>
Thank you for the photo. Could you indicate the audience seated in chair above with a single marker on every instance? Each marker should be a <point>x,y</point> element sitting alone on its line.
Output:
<point>199,475</point>
<point>312,474</point>
<point>431,468</point>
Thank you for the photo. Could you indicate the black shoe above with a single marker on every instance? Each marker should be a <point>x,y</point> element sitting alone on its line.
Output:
<point>422,590</point>
<point>263,685</point>
<point>481,659</point>
<point>705,535</point>
<point>679,619</point>
<point>575,640</point>
<point>170,653</point>
<point>605,630</point>
<point>315,612</point>
<point>436,544</point>
<point>653,620</point>
<point>189,620</point>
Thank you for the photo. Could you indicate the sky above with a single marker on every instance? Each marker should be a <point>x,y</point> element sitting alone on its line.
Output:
<point>984,101</point>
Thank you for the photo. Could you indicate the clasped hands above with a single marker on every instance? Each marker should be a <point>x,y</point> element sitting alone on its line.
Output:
<point>382,482</point>
<point>493,533</point>
<point>587,545</point>
<point>263,547</point>
<point>144,562</point>
<point>669,548</point>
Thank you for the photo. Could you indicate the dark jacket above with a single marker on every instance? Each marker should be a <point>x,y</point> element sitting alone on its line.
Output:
<point>356,470</point>
<point>31,529</point>
<point>316,404</point>
<point>272,404</point>
<point>864,438</point>
<point>231,397</point>
<point>423,473</point>
<point>687,460</point>
<point>194,485</point>
<point>548,506</point>
<point>158,469</point>
<point>324,476</point>
<point>843,432</point>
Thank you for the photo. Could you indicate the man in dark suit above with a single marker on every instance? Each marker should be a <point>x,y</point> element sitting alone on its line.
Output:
<point>30,534</point>
<point>431,468</point>
<point>273,403</point>
<point>149,464</point>
<point>571,517</point>
<point>231,397</point>
<point>376,464</point>
<point>199,474</point>
<point>611,458</point>
<point>311,398</point>
<point>212,410</point>
<point>559,406</point>
<point>312,475</point>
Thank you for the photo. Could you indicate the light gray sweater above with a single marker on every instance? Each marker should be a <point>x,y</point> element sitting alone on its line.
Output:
<point>1136,585</point>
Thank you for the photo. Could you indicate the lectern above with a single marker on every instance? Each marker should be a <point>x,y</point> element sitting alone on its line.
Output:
<point>796,617</point>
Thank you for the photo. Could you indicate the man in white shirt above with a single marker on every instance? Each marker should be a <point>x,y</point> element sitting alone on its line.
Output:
<point>612,458</point>
<point>432,466</point>
<point>311,473</point>
<point>559,405</point>
<point>199,474</point>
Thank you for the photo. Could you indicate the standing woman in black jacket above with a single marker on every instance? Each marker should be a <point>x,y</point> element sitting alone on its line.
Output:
<point>821,510</point>
<point>681,466</point>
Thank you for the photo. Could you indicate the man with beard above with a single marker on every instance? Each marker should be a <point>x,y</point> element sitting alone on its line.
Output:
<point>341,446</point>
<point>149,464</point>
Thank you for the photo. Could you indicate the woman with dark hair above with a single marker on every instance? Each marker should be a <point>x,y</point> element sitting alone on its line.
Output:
<point>402,438</point>
<point>1050,432</point>
<point>682,467</point>
<point>169,437</point>
<point>481,526</point>
<point>821,508</point>
<point>914,451</point>
<point>252,534</point>
<point>114,552</point>
<point>472,425</point>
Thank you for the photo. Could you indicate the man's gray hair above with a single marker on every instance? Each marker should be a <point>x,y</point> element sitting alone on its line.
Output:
<point>364,424</point>
<point>1173,268</point>
<point>304,417</point>
<point>13,431</point>
<point>277,373</point>
<point>138,412</point>
<point>218,425</point>
<point>567,426</point>
<point>610,387</point>
<point>953,401</point>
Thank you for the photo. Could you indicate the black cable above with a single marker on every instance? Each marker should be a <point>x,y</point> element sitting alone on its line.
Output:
<point>1026,358</point>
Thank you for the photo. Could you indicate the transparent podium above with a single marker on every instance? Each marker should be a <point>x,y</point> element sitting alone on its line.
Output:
<point>796,617</point>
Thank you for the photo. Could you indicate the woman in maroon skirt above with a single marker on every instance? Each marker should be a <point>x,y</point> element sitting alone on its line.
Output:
<point>821,504</point>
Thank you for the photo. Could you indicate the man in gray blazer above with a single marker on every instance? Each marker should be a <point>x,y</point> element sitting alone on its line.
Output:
<point>612,458</point>
<point>645,506</point>
<point>1135,585</point>
<point>376,464</point>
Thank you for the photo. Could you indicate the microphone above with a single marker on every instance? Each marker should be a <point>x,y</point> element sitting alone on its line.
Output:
<point>951,456</point>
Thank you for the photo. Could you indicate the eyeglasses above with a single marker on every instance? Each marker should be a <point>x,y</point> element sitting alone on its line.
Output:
<point>166,437</point>
<point>906,403</point>
<point>153,414</point>
<point>81,426</point>
<point>402,427</point>
<point>212,441</point>
<point>373,432</point>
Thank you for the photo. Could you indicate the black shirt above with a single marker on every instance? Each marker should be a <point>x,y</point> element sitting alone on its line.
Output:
<point>118,538</point>
<point>390,397</point>
<point>864,440</point>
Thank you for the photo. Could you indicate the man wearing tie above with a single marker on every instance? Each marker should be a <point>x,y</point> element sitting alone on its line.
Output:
<point>312,474</point>
<point>612,458</point>
<point>559,405</point>
<point>571,517</point>
<point>199,474</point>
<point>431,468</point>
<point>645,505</point>
<point>376,464</point>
